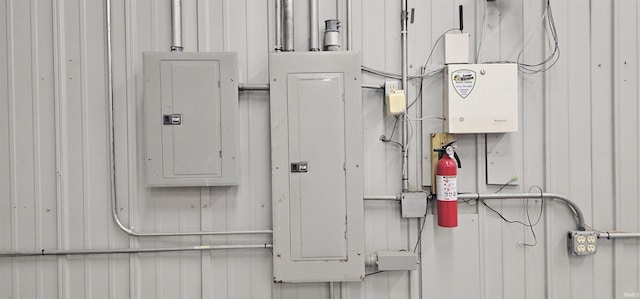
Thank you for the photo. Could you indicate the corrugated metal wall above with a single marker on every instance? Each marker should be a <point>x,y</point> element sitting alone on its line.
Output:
<point>579,137</point>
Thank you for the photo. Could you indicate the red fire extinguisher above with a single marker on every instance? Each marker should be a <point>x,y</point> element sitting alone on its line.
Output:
<point>446,186</point>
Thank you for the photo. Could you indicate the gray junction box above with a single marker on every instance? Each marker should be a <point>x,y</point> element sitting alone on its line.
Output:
<point>191,119</point>
<point>317,167</point>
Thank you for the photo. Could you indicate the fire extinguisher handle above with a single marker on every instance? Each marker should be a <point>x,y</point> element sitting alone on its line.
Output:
<point>455,156</point>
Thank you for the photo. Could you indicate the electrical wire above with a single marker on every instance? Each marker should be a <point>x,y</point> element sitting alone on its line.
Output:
<point>424,220</point>
<point>398,76</point>
<point>529,223</point>
<point>374,273</point>
<point>423,73</point>
<point>384,139</point>
<point>424,67</point>
<point>539,67</point>
<point>424,118</point>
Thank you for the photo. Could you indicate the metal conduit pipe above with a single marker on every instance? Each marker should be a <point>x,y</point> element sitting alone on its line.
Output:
<point>288,25</point>
<point>176,26</point>
<point>373,86</point>
<point>574,208</point>
<point>278,46</point>
<point>314,26</point>
<point>382,197</point>
<point>349,22</point>
<point>258,87</point>
<point>477,196</point>
<point>128,250</point>
<point>618,235</point>
<point>405,123</point>
<point>112,155</point>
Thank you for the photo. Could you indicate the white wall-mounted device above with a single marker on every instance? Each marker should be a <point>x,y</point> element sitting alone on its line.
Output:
<point>481,98</point>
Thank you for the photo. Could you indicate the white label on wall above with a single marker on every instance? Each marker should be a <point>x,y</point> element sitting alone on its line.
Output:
<point>446,188</point>
<point>463,81</point>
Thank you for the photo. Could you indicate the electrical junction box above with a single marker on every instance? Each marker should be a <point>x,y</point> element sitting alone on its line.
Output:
<point>191,119</point>
<point>317,166</point>
<point>481,98</point>
<point>456,48</point>
<point>414,204</point>
<point>397,261</point>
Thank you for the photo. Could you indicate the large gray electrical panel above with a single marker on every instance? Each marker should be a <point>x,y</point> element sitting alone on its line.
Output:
<point>191,122</point>
<point>316,143</point>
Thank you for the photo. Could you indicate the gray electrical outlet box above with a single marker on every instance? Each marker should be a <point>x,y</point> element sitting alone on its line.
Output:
<point>397,261</point>
<point>317,167</point>
<point>191,119</point>
<point>582,242</point>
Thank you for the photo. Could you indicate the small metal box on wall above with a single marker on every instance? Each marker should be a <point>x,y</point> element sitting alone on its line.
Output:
<point>481,98</point>
<point>191,119</point>
<point>317,170</point>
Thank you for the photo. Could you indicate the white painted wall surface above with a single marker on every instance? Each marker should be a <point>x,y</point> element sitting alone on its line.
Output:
<point>578,137</point>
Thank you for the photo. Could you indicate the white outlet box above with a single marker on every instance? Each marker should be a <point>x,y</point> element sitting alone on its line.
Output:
<point>481,98</point>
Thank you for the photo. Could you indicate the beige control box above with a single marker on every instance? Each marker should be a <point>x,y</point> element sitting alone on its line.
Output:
<point>481,98</point>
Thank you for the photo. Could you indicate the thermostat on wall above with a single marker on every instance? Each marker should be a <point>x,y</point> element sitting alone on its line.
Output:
<point>481,98</point>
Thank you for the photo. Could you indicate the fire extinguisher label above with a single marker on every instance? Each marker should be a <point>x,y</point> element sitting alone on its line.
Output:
<point>446,188</point>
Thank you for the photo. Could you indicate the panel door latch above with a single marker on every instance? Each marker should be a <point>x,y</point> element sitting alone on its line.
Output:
<point>172,119</point>
<point>300,167</point>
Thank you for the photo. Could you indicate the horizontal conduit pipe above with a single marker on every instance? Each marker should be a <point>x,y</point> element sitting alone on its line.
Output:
<point>382,197</point>
<point>112,154</point>
<point>243,87</point>
<point>128,250</point>
<point>372,86</point>
<point>618,235</point>
<point>564,199</point>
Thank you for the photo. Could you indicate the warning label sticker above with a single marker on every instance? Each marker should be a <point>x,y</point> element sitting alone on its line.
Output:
<point>446,188</point>
<point>463,81</point>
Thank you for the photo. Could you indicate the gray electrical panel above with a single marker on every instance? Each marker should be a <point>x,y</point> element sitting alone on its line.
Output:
<point>191,119</point>
<point>317,167</point>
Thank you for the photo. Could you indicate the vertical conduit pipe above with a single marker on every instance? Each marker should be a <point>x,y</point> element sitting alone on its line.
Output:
<point>314,26</point>
<point>405,122</point>
<point>288,25</point>
<point>112,155</point>
<point>349,22</point>
<point>278,46</point>
<point>176,26</point>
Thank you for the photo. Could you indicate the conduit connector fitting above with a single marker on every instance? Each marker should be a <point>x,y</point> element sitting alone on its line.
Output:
<point>332,40</point>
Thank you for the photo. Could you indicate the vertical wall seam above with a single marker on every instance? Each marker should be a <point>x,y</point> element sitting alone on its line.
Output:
<point>37,198</point>
<point>84,108</point>
<point>637,60</point>
<point>11,144</point>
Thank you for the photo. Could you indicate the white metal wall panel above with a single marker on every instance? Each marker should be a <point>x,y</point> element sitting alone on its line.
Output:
<point>54,190</point>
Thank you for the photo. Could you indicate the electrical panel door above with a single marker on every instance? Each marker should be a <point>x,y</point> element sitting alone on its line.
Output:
<point>316,115</point>
<point>191,102</point>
